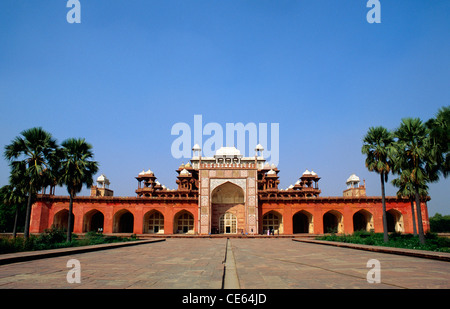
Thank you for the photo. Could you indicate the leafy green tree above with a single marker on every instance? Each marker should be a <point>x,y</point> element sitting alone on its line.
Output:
<point>76,169</point>
<point>31,152</point>
<point>378,148</point>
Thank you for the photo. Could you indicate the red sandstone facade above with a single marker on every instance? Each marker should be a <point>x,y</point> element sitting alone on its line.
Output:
<point>226,194</point>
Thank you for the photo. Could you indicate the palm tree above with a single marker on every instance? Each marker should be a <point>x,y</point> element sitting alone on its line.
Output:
<point>31,151</point>
<point>14,194</point>
<point>440,140</point>
<point>76,170</point>
<point>378,147</point>
<point>406,189</point>
<point>415,156</point>
<point>14,197</point>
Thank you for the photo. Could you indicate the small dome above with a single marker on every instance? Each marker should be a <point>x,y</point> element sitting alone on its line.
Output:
<point>228,151</point>
<point>290,187</point>
<point>182,165</point>
<point>196,148</point>
<point>188,165</point>
<point>353,178</point>
<point>267,165</point>
<point>297,182</point>
<point>142,173</point>
<point>273,166</point>
<point>271,172</point>
<point>184,172</point>
<point>259,147</point>
<point>313,173</point>
<point>148,172</point>
<point>306,172</point>
<point>102,178</point>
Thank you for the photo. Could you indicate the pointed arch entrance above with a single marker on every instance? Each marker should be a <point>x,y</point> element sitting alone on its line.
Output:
<point>333,222</point>
<point>93,221</point>
<point>123,222</point>
<point>183,223</point>
<point>227,209</point>
<point>302,222</point>
<point>394,221</point>
<point>154,222</point>
<point>362,221</point>
<point>272,222</point>
<point>61,220</point>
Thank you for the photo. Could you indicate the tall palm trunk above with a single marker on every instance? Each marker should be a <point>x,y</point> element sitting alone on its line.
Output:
<point>413,215</point>
<point>419,215</point>
<point>26,232</point>
<point>383,201</point>
<point>16,216</point>
<point>70,223</point>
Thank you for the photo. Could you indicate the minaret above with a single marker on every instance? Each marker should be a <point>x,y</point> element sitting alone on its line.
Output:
<point>102,187</point>
<point>354,188</point>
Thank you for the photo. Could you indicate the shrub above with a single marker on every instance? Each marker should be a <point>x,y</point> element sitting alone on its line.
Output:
<point>408,241</point>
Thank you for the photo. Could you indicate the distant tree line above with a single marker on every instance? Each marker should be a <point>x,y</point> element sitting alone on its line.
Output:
<point>440,223</point>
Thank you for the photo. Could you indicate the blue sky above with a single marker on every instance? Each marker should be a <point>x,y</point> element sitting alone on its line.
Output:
<point>132,69</point>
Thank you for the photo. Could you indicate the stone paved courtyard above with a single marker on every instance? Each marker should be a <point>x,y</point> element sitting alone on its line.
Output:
<point>198,264</point>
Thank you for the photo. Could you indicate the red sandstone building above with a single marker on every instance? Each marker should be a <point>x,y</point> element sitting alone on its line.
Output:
<point>226,194</point>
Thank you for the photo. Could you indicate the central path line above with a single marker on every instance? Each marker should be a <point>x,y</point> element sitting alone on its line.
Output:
<point>230,277</point>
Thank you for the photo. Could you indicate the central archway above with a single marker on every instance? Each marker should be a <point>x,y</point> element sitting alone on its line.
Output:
<point>227,205</point>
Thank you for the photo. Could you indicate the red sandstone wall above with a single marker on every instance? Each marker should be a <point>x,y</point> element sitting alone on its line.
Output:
<point>43,213</point>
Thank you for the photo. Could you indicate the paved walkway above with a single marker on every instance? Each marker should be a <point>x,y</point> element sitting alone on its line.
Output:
<point>199,263</point>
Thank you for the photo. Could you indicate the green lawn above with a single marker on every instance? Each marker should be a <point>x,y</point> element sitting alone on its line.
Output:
<point>408,241</point>
<point>53,239</point>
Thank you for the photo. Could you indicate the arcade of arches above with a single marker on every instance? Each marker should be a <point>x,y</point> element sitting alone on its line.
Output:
<point>227,193</point>
<point>226,218</point>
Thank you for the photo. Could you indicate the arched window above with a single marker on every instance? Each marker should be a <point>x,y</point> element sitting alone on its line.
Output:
<point>184,223</point>
<point>272,222</point>
<point>228,224</point>
<point>154,223</point>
